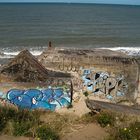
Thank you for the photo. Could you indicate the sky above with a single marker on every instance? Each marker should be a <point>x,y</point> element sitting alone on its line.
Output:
<point>133,2</point>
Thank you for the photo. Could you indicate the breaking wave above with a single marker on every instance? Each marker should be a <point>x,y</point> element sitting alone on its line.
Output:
<point>133,51</point>
<point>8,54</point>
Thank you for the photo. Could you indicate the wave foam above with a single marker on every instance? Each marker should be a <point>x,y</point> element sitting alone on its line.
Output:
<point>7,54</point>
<point>134,51</point>
<point>36,53</point>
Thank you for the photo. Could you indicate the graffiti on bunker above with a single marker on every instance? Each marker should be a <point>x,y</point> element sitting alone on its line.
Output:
<point>50,99</point>
<point>102,83</point>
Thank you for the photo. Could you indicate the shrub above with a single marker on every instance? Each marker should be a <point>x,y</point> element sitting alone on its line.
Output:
<point>132,132</point>
<point>26,115</point>
<point>85,93</point>
<point>88,118</point>
<point>21,121</point>
<point>21,128</point>
<point>2,123</point>
<point>46,133</point>
<point>105,119</point>
<point>5,114</point>
<point>129,133</point>
<point>25,121</point>
<point>125,134</point>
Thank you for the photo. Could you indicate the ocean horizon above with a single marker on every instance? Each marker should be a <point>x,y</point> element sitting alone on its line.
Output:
<point>32,25</point>
<point>82,3</point>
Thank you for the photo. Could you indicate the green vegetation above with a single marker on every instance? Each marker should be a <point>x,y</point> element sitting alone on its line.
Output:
<point>46,133</point>
<point>2,122</point>
<point>46,125</point>
<point>88,118</point>
<point>37,124</point>
<point>105,119</point>
<point>132,132</point>
<point>86,93</point>
<point>23,122</point>
<point>119,126</point>
<point>22,128</point>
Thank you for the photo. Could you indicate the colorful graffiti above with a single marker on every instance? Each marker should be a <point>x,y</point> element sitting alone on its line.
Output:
<point>50,99</point>
<point>99,82</point>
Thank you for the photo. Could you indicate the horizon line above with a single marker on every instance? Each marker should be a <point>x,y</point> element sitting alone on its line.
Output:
<point>68,3</point>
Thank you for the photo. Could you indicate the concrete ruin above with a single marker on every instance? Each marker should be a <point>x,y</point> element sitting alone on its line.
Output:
<point>121,71</point>
<point>26,68</point>
<point>102,74</point>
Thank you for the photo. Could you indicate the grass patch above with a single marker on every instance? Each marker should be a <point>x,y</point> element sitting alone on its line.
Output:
<point>6,114</point>
<point>88,118</point>
<point>2,123</point>
<point>19,122</point>
<point>44,125</point>
<point>121,126</point>
<point>46,133</point>
<point>131,132</point>
<point>59,123</point>
<point>22,128</point>
<point>105,119</point>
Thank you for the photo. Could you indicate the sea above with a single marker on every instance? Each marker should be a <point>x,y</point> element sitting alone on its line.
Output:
<point>32,25</point>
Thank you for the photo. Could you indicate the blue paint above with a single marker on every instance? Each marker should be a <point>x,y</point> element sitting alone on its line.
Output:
<point>1,94</point>
<point>120,93</point>
<point>95,82</point>
<point>86,71</point>
<point>55,102</point>
<point>47,94</point>
<point>58,93</point>
<point>49,99</point>
<point>86,81</point>
<point>22,101</point>
<point>90,88</point>
<point>12,94</point>
<point>64,102</point>
<point>109,97</point>
<point>44,105</point>
<point>34,93</point>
